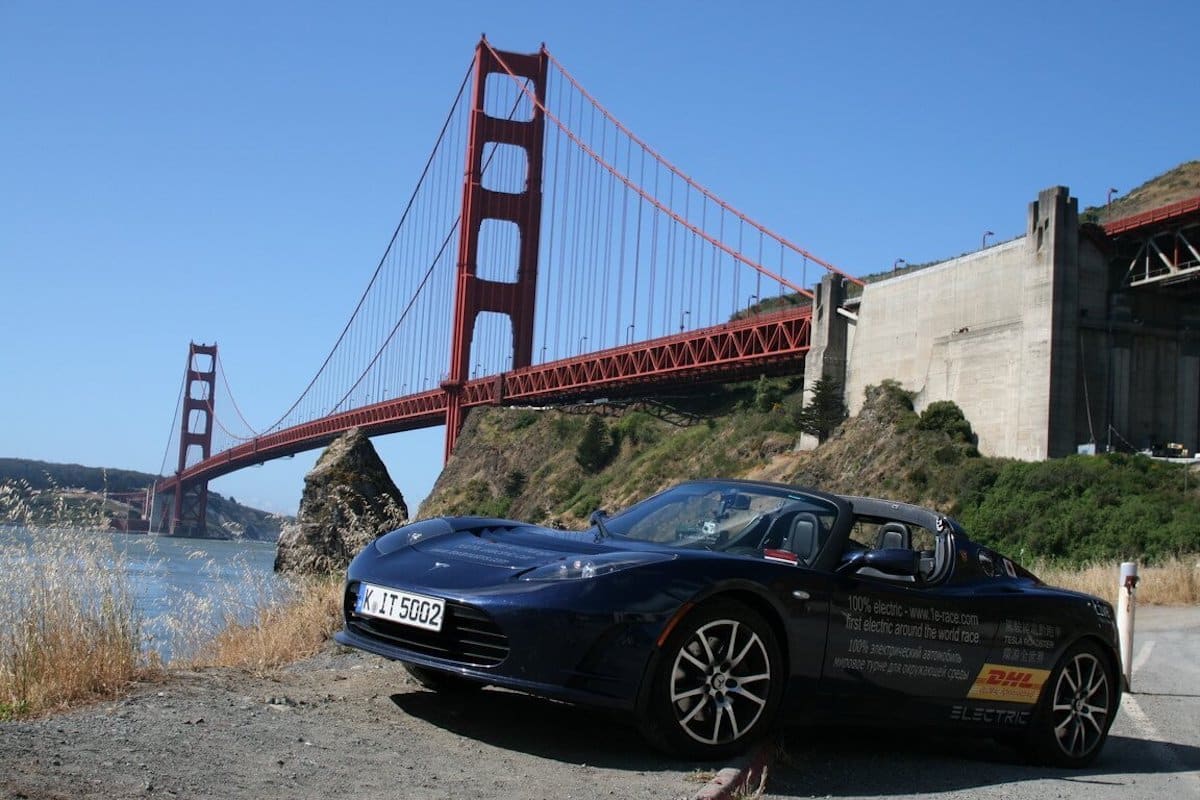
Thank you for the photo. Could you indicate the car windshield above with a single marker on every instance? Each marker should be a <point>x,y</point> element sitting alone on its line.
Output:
<point>736,518</point>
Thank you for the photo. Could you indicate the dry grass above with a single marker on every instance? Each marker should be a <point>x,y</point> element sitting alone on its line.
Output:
<point>71,631</point>
<point>280,631</point>
<point>1175,582</point>
<point>69,628</point>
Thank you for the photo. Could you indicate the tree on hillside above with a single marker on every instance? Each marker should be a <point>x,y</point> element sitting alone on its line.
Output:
<point>824,412</point>
<point>596,448</point>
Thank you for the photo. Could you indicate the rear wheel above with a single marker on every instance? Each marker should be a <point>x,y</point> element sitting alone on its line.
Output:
<point>717,684</point>
<point>1077,710</point>
<point>443,682</point>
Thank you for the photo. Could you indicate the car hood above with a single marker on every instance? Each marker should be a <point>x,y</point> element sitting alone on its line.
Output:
<point>516,548</point>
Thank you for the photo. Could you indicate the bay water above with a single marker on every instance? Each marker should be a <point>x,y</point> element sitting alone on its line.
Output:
<point>185,589</point>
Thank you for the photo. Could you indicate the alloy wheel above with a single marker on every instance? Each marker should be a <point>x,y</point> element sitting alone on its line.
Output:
<point>1082,697</point>
<point>720,681</point>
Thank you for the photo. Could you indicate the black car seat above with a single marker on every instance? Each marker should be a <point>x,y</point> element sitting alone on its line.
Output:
<point>803,538</point>
<point>893,535</point>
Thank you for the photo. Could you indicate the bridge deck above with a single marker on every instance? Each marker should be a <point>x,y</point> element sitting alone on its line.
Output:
<point>735,350</point>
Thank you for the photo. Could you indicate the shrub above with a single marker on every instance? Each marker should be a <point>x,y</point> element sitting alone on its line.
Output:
<point>638,428</point>
<point>514,483</point>
<point>946,416</point>
<point>767,394</point>
<point>1083,508</point>
<point>523,419</point>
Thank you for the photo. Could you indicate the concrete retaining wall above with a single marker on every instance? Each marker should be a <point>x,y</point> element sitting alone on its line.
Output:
<point>1036,341</point>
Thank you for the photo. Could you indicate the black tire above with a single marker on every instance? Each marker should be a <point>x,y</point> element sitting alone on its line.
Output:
<point>1077,709</point>
<point>442,682</point>
<point>717,683</point>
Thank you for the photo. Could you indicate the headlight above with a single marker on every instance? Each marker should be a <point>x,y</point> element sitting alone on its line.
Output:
<point>411,534</point>
<point>582,567</point>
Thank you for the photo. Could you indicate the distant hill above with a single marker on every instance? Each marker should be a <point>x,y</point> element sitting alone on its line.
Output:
<point>52,486</point>
<point>1174,185</point>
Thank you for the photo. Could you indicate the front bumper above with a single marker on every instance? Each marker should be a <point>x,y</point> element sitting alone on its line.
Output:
<point>557,640</point>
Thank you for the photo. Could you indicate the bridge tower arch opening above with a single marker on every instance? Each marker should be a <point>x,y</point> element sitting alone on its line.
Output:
<point>520,206</point>
<point>190,503</point>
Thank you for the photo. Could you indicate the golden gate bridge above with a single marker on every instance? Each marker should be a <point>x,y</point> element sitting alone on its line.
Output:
<point>567,260</point>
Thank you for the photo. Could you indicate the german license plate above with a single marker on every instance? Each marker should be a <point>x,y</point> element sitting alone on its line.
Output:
<point>403,607</point>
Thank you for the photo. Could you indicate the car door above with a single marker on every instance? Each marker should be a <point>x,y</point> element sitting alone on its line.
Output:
<point>896,636</point>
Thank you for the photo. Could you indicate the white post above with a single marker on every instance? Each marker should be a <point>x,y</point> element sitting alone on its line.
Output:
<point>1126,602</point>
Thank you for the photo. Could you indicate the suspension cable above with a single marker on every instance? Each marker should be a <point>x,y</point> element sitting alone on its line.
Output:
<point>178,404</point>
<point>233,401</point>
<point>428,272</point>
<point>654,200</point>
<point>608,115</point>
<point>382,260</point>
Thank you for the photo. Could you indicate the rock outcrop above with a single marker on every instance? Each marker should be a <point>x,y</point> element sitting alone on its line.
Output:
<point>349,501</point>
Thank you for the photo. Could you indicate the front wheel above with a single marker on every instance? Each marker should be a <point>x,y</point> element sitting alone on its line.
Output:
<point>1077,710</point>
<point>717,685</point>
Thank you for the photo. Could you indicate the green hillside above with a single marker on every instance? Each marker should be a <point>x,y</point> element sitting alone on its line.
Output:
<point>555,467</point>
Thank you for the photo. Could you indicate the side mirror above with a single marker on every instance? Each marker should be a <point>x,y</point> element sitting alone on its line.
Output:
<point>894,561</point>
<point>851,561</point>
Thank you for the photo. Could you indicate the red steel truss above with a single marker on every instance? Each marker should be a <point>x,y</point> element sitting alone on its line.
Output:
<point>1162,245</point>
<point>766,343</point>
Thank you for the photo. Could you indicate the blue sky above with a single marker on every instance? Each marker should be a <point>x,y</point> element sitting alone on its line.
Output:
<point>232,171</point>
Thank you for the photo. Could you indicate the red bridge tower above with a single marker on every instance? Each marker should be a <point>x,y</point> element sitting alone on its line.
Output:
<point>524,209</point>
<point>190,504</point>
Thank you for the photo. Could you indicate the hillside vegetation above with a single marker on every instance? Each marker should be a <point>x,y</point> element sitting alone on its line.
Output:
<point>1178,183</point>
<point>555,467</point>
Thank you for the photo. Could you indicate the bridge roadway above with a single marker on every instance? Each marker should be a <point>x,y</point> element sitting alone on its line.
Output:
<point>760,344</point>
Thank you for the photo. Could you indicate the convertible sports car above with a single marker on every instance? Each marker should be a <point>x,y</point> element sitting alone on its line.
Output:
<point>716,609</point>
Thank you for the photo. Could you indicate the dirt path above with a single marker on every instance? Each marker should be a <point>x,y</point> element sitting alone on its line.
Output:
<point>338,725</point>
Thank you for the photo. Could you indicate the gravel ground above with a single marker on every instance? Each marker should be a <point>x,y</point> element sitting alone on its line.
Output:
<point>348,724</point>
<point>337,725</point>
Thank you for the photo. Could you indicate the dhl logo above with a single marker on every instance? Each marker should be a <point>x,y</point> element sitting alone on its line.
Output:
<point>1005,677</point>
<point>1008,684</point>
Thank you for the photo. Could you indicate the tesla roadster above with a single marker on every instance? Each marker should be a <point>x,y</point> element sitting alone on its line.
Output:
<point>719,608</point>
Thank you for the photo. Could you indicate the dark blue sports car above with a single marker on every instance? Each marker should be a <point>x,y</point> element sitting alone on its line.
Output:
<point>716,609</point>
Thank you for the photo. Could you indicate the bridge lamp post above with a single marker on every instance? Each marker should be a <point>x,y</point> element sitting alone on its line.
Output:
<point>1108,199</point>
<point>896,264</point>
<point>582,339</point>
<point>750,300</point>
<point>685,313</point>
<point>986,234</point>
<point>543,354</point>
<point>477,368</point>
<point>629,334</point>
